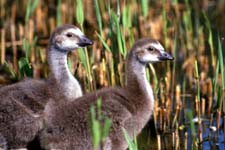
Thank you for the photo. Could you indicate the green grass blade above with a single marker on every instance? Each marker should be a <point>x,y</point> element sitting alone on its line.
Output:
<point>98,15</point>
<point>221,64</point>
<point>10,69</point>
<point>114,47</point>
<point>58,13</point>
<point>69,62</point>
<point>116,22</point>
<point>82,57</point>
<point>219,101</point>
<point>120,37</point>
<point>174,2</point>
<point>192,127</point>
<point>26,47</point>
<point>95,129</point>
<point>83,54</point>
<point>99,104</point>
<point>127,17</point>
<point>118,9</point>
<point>197,78</point>
<point>31,6</point>
<point>155,78</point>
<point>79,12</point>
<point>165,23</point>
<point>215,79</point>
<point>34,5</point>
<point>131,145</point>
<point>104,43</point>
<point>28,11</point>
<point>25,68</point>
<point>106,128</point>
<point>144,7</point>
<point>127,24</point>
<point>210,38</point>
<point>100,125</point>
<point>34,42</point>
<point>174,55</point>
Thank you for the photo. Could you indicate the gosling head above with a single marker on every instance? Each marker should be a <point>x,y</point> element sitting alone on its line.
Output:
<point>150,51</point>
<point>69,37</point>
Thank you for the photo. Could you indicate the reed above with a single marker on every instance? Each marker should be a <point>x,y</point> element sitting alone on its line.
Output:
<point>192,127</point>
<point>197,80</point>
<point>119,35</point>
<point>2,46</point>
<point>58,13</point>
<point>144,7</point>
<point>210,40</point>
<point>31,6</point>
<point>98,15</point>
<point>83,54</point>
<point>221,64</point>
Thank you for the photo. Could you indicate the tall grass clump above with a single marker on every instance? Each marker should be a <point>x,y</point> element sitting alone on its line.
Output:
<point>127,23</point>
<point>31,6</point>
<point>25,68</point>
<point>119,35</point>
<point>83,54</point>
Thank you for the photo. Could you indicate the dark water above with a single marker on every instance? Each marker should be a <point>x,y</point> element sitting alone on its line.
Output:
<point>211,139</point>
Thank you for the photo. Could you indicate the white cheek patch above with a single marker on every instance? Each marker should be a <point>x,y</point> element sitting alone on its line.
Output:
<point>69,44</point>
<point>75,31</point>
<point>149,58</point>
<point>157,46</point>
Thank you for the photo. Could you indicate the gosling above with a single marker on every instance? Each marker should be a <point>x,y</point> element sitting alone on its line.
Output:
<point>130,107</point>
<point>22,104</point>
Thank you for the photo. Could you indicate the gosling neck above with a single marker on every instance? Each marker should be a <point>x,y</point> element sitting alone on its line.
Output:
<point>138,85</point>
<point>59,72</point>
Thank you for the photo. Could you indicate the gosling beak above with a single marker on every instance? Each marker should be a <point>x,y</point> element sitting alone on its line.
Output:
<point>84,41</point>
<point>165,56</point>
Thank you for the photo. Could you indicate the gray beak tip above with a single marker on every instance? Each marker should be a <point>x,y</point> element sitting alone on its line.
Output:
<point>166,56</point>
<point>84,41</point>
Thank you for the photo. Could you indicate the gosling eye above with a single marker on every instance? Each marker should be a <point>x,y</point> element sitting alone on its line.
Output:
<point>150,48</point>
<point>69,35</point>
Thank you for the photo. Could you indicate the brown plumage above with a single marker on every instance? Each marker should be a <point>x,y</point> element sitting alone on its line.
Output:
<point>66,123</point>
<point>22,104</point>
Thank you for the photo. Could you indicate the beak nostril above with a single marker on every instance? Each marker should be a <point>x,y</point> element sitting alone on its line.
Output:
<point>84,41</point>
<point>166,56</point>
